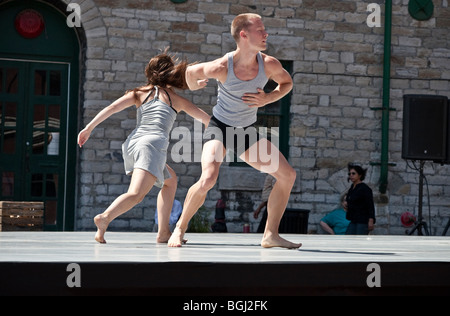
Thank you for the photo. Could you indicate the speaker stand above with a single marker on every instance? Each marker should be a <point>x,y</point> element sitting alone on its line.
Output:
<point>420,223</point>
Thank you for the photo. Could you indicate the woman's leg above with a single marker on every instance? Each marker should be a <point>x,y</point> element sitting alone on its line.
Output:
<point>164,206</point>
<point>362,229</point>
<point>351,229</point>
<point>357,229</point>
<point>141,183</point>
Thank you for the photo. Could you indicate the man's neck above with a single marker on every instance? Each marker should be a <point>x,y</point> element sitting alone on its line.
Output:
<point>245,57</point>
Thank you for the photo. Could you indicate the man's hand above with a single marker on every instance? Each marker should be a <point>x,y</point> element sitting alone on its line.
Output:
<point>195,77</point>
<point>202,83</point>
<point>256,100</point>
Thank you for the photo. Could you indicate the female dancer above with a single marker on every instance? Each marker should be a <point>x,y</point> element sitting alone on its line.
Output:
<point>145,150</point>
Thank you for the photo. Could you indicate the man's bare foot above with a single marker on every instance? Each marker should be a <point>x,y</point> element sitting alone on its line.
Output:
<point>270,241</point>
<point>176,240</point>
<point>102,225</point>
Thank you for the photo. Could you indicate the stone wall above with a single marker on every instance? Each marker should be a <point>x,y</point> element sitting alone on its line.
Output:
<point>337,61</point>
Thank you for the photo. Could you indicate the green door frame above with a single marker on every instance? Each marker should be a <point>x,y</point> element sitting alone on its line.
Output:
<point>58,46</point>
<point>38,161</point>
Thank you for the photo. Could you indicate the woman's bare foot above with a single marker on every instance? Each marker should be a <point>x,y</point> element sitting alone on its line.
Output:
<point>176,240</point>
<point>163,237</point>
<point>102,225</point>
<point>270,241</point>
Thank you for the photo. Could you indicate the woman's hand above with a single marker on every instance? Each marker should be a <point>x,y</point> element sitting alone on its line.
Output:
<point>83,137</point>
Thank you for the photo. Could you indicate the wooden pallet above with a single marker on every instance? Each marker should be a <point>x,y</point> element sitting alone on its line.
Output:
<point>21,216</point>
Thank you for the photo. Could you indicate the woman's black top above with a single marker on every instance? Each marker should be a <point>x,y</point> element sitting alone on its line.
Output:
<point>360,205</point>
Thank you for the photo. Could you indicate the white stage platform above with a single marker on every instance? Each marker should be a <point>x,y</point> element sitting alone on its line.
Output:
<point>80,247</point>
<point>221,264</point>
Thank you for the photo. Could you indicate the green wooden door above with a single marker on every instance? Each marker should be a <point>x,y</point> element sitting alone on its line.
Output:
<point>39,90</point>
<point>33,112</point>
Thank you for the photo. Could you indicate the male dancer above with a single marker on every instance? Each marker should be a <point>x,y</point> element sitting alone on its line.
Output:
<point>241,77</point>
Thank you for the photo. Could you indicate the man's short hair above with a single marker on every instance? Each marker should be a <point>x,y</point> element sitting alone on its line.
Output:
<point>242,22</point>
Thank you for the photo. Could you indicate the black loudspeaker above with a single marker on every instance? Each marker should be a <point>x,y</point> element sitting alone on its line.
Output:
<point>426,128</point>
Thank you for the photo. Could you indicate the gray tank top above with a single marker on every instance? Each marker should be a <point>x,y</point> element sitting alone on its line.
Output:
<point>230,108</point>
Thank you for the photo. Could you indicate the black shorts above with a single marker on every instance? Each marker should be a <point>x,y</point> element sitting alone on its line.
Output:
<point>236,139</point>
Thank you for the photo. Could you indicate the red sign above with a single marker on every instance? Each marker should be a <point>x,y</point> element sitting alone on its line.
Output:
<point>29,23</point>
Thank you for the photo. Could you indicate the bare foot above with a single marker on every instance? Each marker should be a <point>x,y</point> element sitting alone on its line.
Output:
<point>102,225</point>
<point>163,238</point>
<point>176,240</point>
<point>271,241</point>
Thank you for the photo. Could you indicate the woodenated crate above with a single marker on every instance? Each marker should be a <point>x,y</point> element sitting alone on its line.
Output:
<point>21,216</point>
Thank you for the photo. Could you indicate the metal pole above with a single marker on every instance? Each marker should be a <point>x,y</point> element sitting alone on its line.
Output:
<point>420,222</point>
<point>386,97</point>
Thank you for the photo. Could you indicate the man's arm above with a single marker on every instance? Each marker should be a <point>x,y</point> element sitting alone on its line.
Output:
<point>197,75</point>
<point>277,73</point>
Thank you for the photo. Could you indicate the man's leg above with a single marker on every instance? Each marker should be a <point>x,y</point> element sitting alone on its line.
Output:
<point>212,157</point>
<point>279,168</point>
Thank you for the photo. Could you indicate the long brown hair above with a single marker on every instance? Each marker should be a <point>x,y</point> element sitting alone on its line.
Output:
<point>164,70</point>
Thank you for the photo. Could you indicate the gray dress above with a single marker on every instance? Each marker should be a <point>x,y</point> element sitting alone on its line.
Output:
<point>146,147</point>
